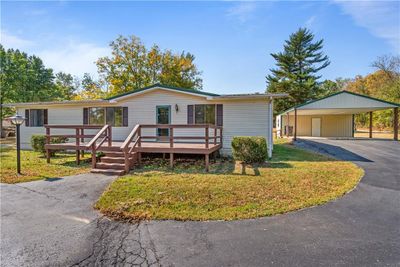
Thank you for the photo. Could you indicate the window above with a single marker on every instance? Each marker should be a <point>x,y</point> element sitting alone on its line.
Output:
<point>35,117</point>
<point>114,116</point>
<point>96,116</point>
<point>204,114</point>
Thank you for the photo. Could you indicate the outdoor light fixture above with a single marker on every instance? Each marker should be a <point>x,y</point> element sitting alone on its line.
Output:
<point>17,120</point>
<point>176,107</point>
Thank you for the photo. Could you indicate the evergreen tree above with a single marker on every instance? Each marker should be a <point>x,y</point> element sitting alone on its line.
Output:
<point>297,70</point>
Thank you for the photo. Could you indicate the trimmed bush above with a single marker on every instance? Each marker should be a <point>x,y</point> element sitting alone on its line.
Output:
<point>249,149</point>
<point>38,141</point>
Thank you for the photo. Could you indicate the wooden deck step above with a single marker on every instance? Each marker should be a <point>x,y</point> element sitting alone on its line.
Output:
<point>115,166</point>
<point>108,159</point>
<point>114,154</point>
<point>108,171</point>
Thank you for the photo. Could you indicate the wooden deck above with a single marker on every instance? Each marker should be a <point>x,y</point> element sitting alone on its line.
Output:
<point>126,154</point>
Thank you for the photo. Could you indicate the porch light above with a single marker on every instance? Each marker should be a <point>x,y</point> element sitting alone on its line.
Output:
<point>176,107</point>
<point>17,120</point>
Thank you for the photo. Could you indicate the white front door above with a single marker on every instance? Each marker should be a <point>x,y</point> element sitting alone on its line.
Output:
<point>316,127</point>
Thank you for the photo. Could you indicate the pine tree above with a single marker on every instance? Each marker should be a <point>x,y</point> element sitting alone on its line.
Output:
<point>297,67</point>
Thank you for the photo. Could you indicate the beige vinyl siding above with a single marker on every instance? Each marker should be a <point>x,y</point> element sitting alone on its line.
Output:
<point>240,117</point>
<point>331,125</point>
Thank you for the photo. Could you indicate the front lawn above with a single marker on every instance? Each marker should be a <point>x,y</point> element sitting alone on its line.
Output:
<point>34,166</point>
<point>294,179</point>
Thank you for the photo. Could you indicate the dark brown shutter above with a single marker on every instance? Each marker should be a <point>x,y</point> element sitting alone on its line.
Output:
<point>85,116</point>
<point>190,114</point>
<point>27,117</point>
<point>125,116</point>
<point>45,117</point>
<point>220,115</point>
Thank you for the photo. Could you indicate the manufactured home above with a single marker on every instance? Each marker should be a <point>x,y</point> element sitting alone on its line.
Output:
<point>156,119</point>
<point>332,116</point>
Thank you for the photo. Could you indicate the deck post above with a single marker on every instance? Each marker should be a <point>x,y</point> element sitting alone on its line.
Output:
<point>94,156</point>
<point>396,124</point>
<point>220,136</point>
<point>207,161</point>
<point>171,160</point>
<point>215,135</point>
<point>78,152</point>
<point>47,142</point>
<point>171,137</point>
<point>127,163</point>
<point>109,135</point>
<point>295,125</point>
<point>370,124</point>
<point>82,140</point>
<point>139,133</point>
<point>206,135</point>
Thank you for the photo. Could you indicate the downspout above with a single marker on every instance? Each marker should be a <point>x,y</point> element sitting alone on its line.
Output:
<point>271,127</point>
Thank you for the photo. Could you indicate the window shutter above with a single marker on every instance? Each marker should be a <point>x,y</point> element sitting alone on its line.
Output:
<point>85,116</point>
<point>45,118</point>
<point>27,117</point>
<point>190,114</point>
<point>220,115</point>
<point>125,116</point>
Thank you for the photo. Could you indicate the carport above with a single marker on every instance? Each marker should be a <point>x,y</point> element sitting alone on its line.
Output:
<point>332,116</point>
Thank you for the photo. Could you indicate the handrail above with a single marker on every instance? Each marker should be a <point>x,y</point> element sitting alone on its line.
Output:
<point>71,126</point>
<point>130,136</point>
<point>94,140</point>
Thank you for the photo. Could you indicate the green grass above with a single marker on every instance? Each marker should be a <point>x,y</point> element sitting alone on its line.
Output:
<point>34,166</point>
<point>294,179</point>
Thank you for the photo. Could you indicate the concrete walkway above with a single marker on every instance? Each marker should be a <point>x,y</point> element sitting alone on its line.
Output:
<point>52,223</point>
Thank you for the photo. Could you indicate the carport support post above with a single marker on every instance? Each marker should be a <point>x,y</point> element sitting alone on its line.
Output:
<point>396,124</point>
<point>370,124</point>
<point>287,124</point>
<point>295,125</point>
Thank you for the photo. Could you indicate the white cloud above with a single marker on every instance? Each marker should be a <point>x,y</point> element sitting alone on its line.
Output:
<point>74,57</point>
<point>381,18</point>
<point>13,41</point>
<point>310,22</point>
<point>242,11</point>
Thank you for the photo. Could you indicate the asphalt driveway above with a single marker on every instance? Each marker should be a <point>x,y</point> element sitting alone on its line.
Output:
<point>52,223</point>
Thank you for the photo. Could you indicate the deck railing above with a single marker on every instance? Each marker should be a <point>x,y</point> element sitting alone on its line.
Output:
<point>79,136</point>
<point>135,138</point>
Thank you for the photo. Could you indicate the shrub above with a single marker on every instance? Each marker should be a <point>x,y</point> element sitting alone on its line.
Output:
<point>249,149</point>
<point>38,141</point>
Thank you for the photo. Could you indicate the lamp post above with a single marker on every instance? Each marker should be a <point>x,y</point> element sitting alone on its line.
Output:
<point>17,120</point>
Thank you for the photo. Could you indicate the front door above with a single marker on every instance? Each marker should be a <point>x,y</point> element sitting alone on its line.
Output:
<point>163,117</point>
<point>316,127</point>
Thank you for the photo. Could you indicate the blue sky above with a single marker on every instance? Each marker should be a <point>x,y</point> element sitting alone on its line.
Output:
<point>232,41</point>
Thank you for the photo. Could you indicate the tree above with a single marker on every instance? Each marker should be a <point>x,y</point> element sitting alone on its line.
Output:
<point>66,85</point>
<point>297,70</point>
<point>89,89</point>
<point>132,66</point>
<point>24,78</point>
<point>384,84</point>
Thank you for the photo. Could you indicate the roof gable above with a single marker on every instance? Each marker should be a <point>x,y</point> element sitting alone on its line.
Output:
<point>345,100</point>
<point>162,87</point>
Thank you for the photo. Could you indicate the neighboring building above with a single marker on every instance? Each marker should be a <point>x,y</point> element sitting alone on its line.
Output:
<point>331,116</point>
<point>239,115</point>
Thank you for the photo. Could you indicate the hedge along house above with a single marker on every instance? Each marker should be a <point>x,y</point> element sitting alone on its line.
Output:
<point>332,116</point>
<point>155,119</point>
